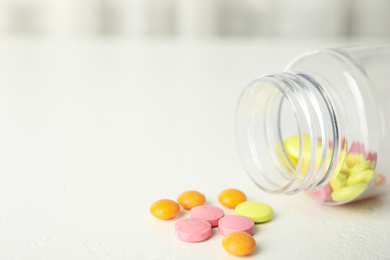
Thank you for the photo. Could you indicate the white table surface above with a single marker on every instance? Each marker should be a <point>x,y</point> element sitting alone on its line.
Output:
<point>92,132</point>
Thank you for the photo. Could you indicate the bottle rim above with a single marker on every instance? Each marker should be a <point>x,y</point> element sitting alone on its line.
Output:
<point>260,139</point>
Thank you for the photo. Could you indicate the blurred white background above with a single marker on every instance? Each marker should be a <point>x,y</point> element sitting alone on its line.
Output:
<point>195,18</point>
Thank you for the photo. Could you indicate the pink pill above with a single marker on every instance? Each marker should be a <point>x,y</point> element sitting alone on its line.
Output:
<point>368,156</point>
<point>356,148</point>
<point>374,157</point>
<point>322,194</point>
<point>193,229</point>
<point>210,213</point>
<point>229,224</point>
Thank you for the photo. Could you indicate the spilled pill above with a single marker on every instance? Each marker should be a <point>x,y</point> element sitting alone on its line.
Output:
<point>231,198</point>
<point>232,223</point>
<point>193,229</point>
<point>259,212</point>
<point>164,209</point>
<point>190,199</point>
<point>209,213</point>
<point>239,243</point>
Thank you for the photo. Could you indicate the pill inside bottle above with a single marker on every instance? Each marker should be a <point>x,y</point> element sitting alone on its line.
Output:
<point>320,126</point>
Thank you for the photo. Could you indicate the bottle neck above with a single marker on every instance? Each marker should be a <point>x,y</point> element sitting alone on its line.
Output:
<point>272,109</point>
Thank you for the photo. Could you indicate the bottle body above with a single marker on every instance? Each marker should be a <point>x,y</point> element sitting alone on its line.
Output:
<point>320,126</point>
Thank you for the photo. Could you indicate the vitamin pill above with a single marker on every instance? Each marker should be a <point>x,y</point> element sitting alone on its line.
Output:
<point>353,159</point>
<point>379,179</point>
<point>164,209</point>
<point>239,243</point>
<point>368,157</point>
<point>345,169</point>
<point>322,194</point>
<point>193,229</point>
<point>232,223</point>
<point>292,146</point>
<point>374,157</point>
<point>258,211</point>
<point>373,161</point>
<point>209,213</point>
<point>231,198</point>
<point>365,176</point>
<point>190,199</point>
<point>372,165</point>
<point>338,181</point>
<point>356,148</point>
<point>360,167</point>
<point>348,193</point>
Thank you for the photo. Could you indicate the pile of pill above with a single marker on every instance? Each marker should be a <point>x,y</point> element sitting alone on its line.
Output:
<point>236,229</point>
<point>356,174</point>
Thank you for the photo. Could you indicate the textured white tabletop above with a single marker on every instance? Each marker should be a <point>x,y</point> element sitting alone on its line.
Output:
<point>93,132</point>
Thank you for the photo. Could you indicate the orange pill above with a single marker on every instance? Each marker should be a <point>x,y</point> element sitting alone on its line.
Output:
<point>231,198</point>
<point>164,209</point>
<point>190,199</point>
<point>380,179</point>
<point>239,243</point>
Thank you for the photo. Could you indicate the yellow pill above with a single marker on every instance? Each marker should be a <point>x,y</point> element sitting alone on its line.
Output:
<point>365,176</point>
<point>292,145</point>
<point>345,169</point>
<point>164,209</point>
<point>372,165</point>
<point>348,193</point>
<point>259,212</point>
<point>353,159</point>
<point>190,199</point>
<point>292,149</point>
<point>293,160</point>
<point>360,167</point>
<point>338,181</point>
<point>239,243</point>
<point>231,198</point>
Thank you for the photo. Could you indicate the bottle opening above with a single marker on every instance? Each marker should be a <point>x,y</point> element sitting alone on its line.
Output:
<point>286,134</point>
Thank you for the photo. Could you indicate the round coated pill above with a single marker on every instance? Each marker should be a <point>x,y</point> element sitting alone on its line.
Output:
<point>239,243</point>
<point>190,199</point>
<point>193,229</point>
<point>292,145</point>
<point>231,198</point>
<point>164,209</point>
<point>209,213</point>
<point>232,223</point>
<point>258,211</point>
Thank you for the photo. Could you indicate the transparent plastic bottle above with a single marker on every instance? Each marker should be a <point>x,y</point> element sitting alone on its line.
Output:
<point>321,126</point>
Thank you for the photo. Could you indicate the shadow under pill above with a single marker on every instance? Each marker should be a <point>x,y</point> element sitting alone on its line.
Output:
<point>256,251</point>
<point>179,216</point>
<point>256,230</point>
<point>213,232</point>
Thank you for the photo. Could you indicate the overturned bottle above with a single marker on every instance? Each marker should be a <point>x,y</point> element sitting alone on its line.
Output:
<point>321,126</point>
